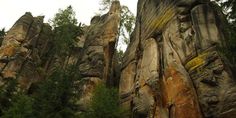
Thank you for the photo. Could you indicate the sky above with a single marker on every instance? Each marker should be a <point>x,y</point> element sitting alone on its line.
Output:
<point>11,10</point>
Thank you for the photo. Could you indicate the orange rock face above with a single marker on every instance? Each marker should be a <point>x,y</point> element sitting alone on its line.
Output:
<point>173,70</point>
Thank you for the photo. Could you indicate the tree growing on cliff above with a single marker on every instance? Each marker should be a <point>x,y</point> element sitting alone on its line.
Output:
<point>105,5</point>
<point>2,34</point>
<point>229,9</point>
<point>126,24</point>
<point>65,30</point>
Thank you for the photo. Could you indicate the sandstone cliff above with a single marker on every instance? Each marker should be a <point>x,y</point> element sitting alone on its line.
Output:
<point>23,53</point>
<point>26,53</point>
<point>172,68</point>
<point>95,65</point>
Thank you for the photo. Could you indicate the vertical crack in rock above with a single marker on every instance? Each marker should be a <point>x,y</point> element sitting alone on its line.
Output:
<point>22,50</point>
<point>98,51</point>
<point>171,69</point>
<point>194,79</point>
<point>25,52</point>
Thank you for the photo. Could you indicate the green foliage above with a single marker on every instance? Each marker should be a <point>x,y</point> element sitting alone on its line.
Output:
<point>13,103</point>
<point>105,4</point>
<point>57,88</point>
<point>105,103</point>
<point>2,34</point>
<point>65,31</point>
<point>21,108</point>
<point>230,49</point>
<point>119,56</point>
<point>7,92</point>
<point>64,17</point>
<point>54,96</point>
<point>126,24</point>
<point>229,9</point>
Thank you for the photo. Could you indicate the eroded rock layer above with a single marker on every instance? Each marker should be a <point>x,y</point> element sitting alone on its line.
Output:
<point>172,68</point>
<point>23,53</point>
<point>27,52</point>
<point>98,50</point>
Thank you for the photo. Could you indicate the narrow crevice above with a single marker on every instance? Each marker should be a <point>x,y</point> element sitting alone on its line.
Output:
<point>30,50</point>
<point>171,111</point>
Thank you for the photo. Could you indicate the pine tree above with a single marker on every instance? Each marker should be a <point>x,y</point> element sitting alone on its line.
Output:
<point>105,103</point>
<point>21,108</point>
<point>65,30</point>
<point>54,95</point>
<point>7,93</point>
<point>2,34</point>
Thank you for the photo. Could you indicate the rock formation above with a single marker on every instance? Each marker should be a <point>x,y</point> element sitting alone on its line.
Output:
<point>98,50</point>
<point>172,68</point>
<point>24,50</point>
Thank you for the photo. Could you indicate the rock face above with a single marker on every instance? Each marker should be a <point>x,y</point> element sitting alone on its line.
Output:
<point>24,50</point>
<point>172,68</point>
<point>99,47</point>
<point>100,43</point>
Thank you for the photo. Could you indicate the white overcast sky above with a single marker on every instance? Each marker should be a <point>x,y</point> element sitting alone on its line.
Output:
<point>11,10</point>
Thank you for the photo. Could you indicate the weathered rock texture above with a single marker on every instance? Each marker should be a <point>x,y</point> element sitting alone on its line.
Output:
<point>23,53</point>
<point>172,68</point>
<point>26,53</point>
<point>99,47</point>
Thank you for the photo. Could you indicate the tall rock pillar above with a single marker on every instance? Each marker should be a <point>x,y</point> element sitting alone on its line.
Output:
<point>99,47</point>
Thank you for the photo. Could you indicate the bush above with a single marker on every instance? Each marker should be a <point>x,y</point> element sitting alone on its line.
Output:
<point>7,93</point>
<point>53,98</point>
<point>105,103</point>
<point>21,108</point>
